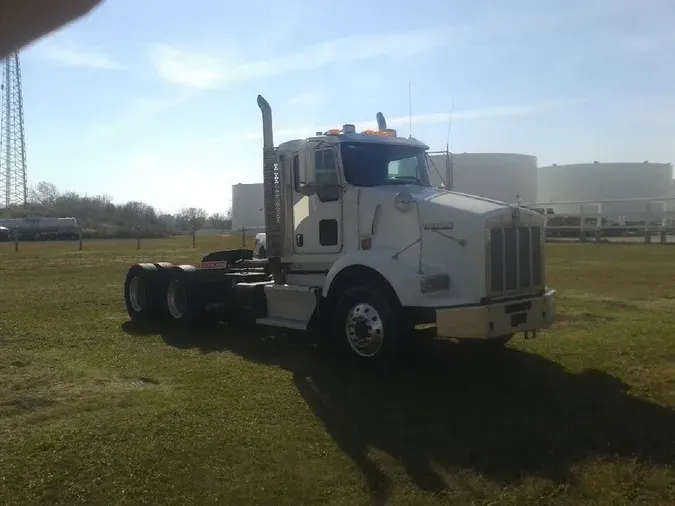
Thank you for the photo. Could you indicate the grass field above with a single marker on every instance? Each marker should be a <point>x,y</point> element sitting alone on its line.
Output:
<point>91,411</point>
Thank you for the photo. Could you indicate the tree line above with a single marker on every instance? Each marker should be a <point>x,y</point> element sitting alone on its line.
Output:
<point>99,217</point>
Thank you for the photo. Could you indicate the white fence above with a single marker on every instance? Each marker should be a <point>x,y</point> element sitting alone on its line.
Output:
<point>609,217</point>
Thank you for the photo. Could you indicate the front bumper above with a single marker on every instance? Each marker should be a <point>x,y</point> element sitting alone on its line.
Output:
<point>497,319</point>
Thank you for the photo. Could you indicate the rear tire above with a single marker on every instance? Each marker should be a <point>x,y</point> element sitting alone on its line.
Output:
<point>184,305</point>
<point>367,329</point>
<point>141,297</point>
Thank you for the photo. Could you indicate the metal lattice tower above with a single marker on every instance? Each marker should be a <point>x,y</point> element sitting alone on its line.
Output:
<point>13,187</point>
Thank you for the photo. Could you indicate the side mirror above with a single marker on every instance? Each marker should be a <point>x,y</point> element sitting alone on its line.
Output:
<point>307,171</point>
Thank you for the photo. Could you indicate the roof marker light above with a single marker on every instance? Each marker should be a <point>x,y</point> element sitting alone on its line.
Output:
<point>386,133</point>
<point>349,128</point>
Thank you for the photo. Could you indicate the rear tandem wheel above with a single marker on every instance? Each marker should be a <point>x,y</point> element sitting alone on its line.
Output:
<point>140,293</point>
<point>184,299</point>
<point>143,288</point>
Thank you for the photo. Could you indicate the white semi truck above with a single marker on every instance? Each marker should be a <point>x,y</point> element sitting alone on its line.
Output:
<point>364,252</point>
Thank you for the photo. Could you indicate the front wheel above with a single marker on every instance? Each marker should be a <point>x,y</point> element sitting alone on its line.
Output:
<point>367,329</point>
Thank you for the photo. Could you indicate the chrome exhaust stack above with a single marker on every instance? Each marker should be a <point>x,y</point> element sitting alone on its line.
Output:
<point>268,133</point>
<point>273,197</point>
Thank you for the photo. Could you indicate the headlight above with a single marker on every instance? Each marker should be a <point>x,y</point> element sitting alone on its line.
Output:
<point>403,201</point>
<point>435,283</point>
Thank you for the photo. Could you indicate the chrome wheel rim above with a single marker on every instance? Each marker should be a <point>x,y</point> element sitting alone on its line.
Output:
<point>137,294</point>
<point>176,299</point>
<point>364,329</point>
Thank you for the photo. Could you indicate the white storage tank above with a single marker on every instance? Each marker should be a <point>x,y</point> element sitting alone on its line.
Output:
<point>500,176</point>
<point>606,181</point>
<point>247,206</point>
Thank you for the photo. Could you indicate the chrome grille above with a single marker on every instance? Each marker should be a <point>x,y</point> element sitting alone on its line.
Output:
<point>514,260</point>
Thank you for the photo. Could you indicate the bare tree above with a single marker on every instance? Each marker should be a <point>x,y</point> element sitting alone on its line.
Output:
<point>193,217</point>
<point>44,194</point>
<point>218,221</point>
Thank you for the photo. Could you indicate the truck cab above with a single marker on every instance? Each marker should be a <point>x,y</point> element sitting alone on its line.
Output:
<point>352,209</point>
<point>361,247</point>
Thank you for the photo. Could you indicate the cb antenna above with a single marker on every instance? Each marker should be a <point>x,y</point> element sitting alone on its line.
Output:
<point>447,143</point>
<point>409,112</point>
<point>449,166</point>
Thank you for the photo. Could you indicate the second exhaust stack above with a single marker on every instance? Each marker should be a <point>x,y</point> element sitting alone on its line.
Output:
<point>381,122</point>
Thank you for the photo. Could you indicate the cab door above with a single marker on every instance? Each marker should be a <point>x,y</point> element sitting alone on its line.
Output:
<point>319,231</point>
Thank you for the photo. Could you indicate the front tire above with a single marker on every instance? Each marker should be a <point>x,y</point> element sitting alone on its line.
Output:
<point>367,329</point>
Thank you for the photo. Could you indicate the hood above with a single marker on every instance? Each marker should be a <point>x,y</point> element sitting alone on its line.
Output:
<point>447,236</point>
<point>453,234</point>
<point>436,197</point>
<point>466,213</point>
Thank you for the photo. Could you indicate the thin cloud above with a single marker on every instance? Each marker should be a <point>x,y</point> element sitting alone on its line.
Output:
<point>641,44</point>
<point>281,135</point>
<point>204,71</point>
<point>192,70</point>
<point>77,58</point>
<point>207,71</point>
<point>304,99</point>
<point>481,113</point>
<point>140,110</point>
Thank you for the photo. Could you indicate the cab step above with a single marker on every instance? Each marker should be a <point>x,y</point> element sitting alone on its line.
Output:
<point>289,306</point>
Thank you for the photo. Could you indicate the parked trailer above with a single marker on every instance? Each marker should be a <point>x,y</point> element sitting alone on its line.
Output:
<point>364,253</point>
<point>42,228</point>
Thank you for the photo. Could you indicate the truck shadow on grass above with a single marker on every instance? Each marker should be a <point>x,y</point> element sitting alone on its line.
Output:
<point>504,417</point>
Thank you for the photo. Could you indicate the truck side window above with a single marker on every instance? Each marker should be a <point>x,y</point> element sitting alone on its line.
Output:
<point>326,174</point>
<point>296,172</point>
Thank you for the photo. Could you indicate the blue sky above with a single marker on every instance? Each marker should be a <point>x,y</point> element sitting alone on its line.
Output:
<point>149,100</point>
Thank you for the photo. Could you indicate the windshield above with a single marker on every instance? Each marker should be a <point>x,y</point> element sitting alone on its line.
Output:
<point>375,164</point>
